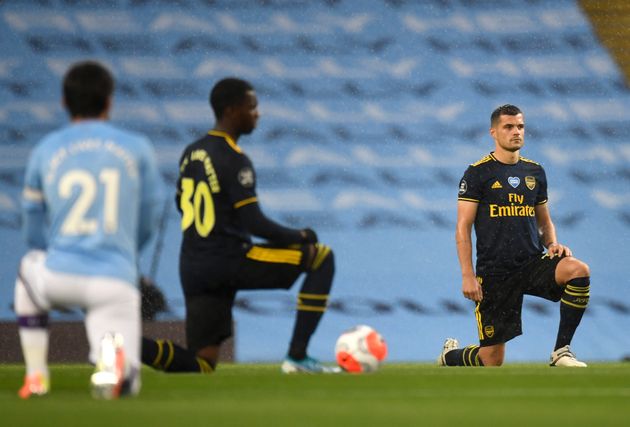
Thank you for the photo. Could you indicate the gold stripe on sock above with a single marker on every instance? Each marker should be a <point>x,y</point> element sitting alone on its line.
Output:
<point>322,253</point>
<point>204,367</point>
<point>156,362</point>
<point>303,307</point>
<point>578,288</point>
<point>572,304</point>
<point>577,294</point>
<point>313,296</point>
<point>470,352</point>
<point>171,354</point>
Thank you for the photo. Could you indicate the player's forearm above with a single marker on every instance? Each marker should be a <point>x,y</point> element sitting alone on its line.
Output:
<point>464,254</point>
<point>259,225</point>
<point>150,212</point>
<point>548,234</point>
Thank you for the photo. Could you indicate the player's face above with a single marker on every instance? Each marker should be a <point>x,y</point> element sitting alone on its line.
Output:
<point>509,132</point>
<point>247,113</point>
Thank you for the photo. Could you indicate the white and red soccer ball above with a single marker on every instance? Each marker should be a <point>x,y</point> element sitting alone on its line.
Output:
<point>360,349</point>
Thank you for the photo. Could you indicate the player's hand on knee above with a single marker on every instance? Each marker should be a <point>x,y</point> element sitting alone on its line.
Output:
<point>556,249</point>
<point>308,236</point>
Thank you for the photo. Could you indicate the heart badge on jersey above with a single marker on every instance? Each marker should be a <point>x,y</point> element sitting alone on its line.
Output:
<point>514,181</point>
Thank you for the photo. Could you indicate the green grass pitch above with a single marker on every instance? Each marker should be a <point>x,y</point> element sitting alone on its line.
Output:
<point>399,394</point>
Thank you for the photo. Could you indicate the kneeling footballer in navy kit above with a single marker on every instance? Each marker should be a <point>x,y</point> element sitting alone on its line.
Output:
<point>504,196</point>
<point>216,195</point>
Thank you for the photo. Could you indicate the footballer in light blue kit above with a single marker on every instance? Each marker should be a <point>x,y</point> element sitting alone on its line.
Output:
<point>82,179</point>
<point>91,200</point>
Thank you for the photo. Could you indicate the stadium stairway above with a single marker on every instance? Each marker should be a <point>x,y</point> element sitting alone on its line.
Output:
<point>371,112</point>
<point>611,21</point>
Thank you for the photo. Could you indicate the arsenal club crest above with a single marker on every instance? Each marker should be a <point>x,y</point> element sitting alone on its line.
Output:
<point>530,182</point>
<point>489,331</point>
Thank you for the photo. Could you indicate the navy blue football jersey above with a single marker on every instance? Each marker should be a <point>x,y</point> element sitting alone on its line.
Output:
<point>215,179</point>
<point>505,226</point>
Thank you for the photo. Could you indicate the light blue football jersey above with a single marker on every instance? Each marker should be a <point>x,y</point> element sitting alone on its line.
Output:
<point>92,198</point>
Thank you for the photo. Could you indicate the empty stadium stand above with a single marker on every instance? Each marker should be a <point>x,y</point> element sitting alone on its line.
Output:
<point>371,112</point>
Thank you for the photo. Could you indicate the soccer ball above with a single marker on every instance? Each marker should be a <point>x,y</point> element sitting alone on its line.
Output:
<point>360,349</point>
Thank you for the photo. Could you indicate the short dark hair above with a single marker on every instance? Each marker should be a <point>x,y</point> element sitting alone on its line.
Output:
<point>228,92</point>
<point>87,86</point>
<point>504,110</point>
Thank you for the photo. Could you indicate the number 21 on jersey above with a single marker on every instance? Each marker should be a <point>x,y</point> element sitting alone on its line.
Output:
<point>77,221</point>
<point>193,198</point>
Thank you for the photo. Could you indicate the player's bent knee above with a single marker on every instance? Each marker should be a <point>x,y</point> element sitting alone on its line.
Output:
<point>23,302</point>
<point>492,356</point>
<point>323,255</point>
<point>125,297</point>
<point>491,361</point>
<point>583,270</point>
<point>320,273</point>
<point>210,354</point>
<point>571,268</point>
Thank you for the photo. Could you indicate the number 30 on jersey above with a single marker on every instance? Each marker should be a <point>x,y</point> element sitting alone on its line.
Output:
<point>197,206</point>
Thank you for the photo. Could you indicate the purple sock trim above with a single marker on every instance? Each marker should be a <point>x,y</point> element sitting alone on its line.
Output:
<point>36,321</point>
